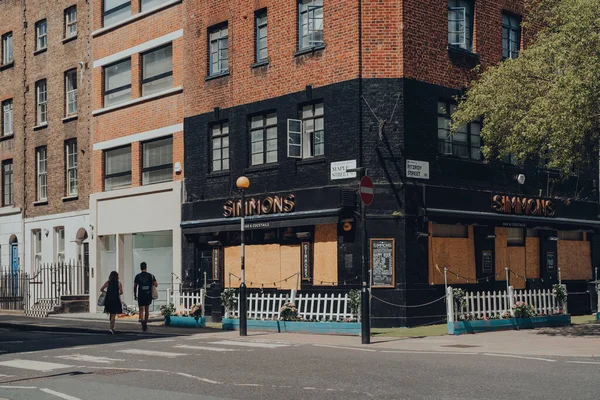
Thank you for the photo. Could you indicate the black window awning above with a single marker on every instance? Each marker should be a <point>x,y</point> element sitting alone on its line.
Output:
<point>517,219</point>
<point>302,218</point>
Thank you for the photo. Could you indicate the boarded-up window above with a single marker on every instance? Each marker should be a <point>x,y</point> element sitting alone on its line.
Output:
<point>450,231</point>
<point>570,235</point>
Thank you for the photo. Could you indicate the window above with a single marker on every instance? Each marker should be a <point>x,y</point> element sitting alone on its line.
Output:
<point>115,11</point>
<point>60,244</point>
<point>157,161</point>
<point>465,143</point>
<point>41,97</point>
<point>219,50</point>
<point>311,23</point>
<point>150,4</point>
<point>449,231</point>
<point>263,139</point>
<point>261,36</point>
<point>7,183</point>
<point>7,48</point>
<point>510,159</point>
<point>71,22</point>
<point>71,92</point>
<point>117,83</point>
<point>460,24</point>
<point>511,36</point>
<point>7,117</point>
<point>41,35</point>
<point>37,249</point>
<point>570,235</point>
<point>117,168</point>
<point>515,236</point>
<point>157,70</point>
<point>220,147</point>
<point>42,183</point>
<point>306,137</point>
<point>71,163</point>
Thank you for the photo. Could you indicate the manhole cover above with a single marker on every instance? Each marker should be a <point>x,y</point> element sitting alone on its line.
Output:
<point>460,346</point>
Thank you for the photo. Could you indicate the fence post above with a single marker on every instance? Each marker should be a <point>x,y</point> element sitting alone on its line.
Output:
<point>293,296</point>
<point>450,304</point>
<point>511,299</point>
<point>565,310</point>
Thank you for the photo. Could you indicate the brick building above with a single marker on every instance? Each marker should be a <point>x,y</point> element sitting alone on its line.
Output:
<point>44,89</point>
<point>292,93</point>
<point>137,131</point>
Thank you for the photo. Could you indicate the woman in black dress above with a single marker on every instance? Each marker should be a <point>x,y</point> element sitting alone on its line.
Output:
<point>112,302</point>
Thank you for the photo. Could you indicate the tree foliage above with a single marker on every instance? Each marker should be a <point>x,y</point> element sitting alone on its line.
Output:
<point>547,101</point>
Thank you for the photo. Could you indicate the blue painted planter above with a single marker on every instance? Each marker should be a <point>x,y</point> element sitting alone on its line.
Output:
<point>185,322</point>
<point>461,327</point>
<point>326,328</point>
<point>598,316</point>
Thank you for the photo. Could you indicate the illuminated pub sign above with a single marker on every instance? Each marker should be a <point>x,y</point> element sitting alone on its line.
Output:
<point>522,205</point>
<point>261,206</point>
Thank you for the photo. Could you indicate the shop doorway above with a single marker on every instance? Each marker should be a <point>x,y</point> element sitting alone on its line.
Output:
<point>485,255</point>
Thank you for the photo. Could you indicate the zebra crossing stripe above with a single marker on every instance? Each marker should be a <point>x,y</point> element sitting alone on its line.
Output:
<point>92,359</point>
<point>152,353</point>
<point>41,366</point>
<point>250,344</point>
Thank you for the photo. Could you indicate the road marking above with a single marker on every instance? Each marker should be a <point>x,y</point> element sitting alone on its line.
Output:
<point>250,344</point>
<point>5,376</point>
<point>152,353</point>
<point>199,378</point>
<point>583,362</point>
<point>520,357</point>
<point>161,340</point>
<point>86,358</point>
<point>18,387</point>
<point>454,353</point>
<point>59,394</point>
<point>41,366</point>
<point>344,348</point>
<point>183,346</point>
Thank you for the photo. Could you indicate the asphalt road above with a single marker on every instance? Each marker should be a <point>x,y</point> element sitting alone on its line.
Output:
<point>221,365</point>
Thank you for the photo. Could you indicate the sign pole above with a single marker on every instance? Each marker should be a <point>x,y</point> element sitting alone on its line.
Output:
<point>364,298</point>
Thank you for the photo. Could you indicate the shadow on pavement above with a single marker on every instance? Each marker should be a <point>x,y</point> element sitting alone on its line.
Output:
<point>584,330</point>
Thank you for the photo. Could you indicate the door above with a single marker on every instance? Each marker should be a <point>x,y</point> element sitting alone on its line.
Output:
<point>86,268</point>
<point>14,263</point>
<point>484,255</point>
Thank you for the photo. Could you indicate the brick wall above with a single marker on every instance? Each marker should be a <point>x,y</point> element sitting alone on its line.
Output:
<point>146,115</point>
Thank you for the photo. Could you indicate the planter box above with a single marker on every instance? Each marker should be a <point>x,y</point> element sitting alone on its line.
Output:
<point>327,328</point>
<point>461,327</point>
<point>185,322</point>
<point>598,316</point>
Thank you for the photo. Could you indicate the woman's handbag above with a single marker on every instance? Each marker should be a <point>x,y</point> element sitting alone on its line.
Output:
<point>101,299</point>
<point>154,293</point>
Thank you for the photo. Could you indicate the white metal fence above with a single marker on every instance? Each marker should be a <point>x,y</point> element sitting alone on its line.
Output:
<point>311,306</point>
<point>493,304</point>
<point>183,301</point>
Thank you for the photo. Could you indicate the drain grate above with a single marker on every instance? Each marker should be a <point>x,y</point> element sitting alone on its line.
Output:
<point>461,346</point>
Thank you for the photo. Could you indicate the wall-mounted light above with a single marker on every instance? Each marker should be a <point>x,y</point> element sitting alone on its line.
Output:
<point>347,226</point>
<point>553,238</point>
<point>490,237</point>
<point>46,232</point>
<point>303,235</point>
<point>177,167</point>
<point>421,235</point>
<point>214,243</point>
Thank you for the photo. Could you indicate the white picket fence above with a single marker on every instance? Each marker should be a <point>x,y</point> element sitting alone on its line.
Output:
<point>311,306</point>
<point>497,303</point>
<point>183,301</point>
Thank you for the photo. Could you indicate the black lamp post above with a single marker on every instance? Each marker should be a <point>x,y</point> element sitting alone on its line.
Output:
<point>243,183</point>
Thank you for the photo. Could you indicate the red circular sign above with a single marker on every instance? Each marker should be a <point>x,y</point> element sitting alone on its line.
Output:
<point>366,190</point>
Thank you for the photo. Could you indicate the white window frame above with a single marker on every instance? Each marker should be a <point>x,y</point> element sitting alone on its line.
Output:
<point>36,244</point>
<point>41,37</point>
<point>461,32</point>
<point>71,22</point>
<point>266,124</point>
<point>71,92</point>
<point>307,41</point>
<point>41,157</point>
<point>59,240</point>
<point>7,48</point>
<point>512,28</point>
<point>294,138</point>
<point>308,141</point>
<point>7,117</point>
<point>41,94</point>
<point>219,133</point>
<point>71,164</point>
<point>218,42</point>
<point>7,183</point>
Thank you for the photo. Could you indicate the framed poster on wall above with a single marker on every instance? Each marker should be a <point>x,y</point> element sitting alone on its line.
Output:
<point>550,265</point>
<point>486,263</point>
<point>382,263</point>
<point>305,261</point>
<point>216,263</point>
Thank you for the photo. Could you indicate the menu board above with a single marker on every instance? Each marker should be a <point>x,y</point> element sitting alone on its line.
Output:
<point>216,264</point>
<point>487,262</point>
<point>382,262</point>
<point>306,264</point>
<point>550,261</point>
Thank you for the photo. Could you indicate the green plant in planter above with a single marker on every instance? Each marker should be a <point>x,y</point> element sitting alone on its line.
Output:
<point>354,297</point>
<point>229,300</point>
<point>459,299</point>
<point>167,310</point>
<point>288,312</point>
<point>196,311</point>
<point>560,292</point>
<point>523,310</point>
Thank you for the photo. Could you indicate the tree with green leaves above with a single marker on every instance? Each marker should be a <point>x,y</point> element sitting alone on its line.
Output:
<point>546,102</point>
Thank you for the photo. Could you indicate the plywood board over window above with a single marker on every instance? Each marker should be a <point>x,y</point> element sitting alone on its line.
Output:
<point>325,267</point>
<point>456,254</point>
<point>574,259</point>
<point>290,264</point>
<point>516,262</point>
<point>501,253</point>
<point>532,258</point>
<point>262,265</point>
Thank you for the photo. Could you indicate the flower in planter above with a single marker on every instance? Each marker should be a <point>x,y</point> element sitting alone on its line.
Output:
<point>196,311</point>
<point>288,312</point>
<point>523,310</point>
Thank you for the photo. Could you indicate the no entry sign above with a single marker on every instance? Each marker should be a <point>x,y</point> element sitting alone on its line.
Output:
<point>366,190</point>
